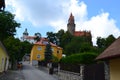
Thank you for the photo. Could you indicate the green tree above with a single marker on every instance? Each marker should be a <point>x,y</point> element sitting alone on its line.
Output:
<point>25,48</point>
<point>66,39</point>
<point>59,35</point>
<point>38,36</point>
<point>56,38</point>
<point>110,39</point>
<point>13,47</point>
<point>48,53</point>
<point>103,43</point>
<point>78,45</point>
<point>52,37</point>
<point>7,25</point>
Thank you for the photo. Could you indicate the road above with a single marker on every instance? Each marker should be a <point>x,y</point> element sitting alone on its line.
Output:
<point>28,72</point>
<point>32,73</point>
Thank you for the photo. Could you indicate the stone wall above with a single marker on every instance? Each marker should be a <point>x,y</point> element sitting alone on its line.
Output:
<point>66,75</point>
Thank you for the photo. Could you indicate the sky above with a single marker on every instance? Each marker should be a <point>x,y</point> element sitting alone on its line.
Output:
<point>101,17</point>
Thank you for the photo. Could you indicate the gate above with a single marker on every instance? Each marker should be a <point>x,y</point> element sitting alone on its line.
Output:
<point>94,72</point>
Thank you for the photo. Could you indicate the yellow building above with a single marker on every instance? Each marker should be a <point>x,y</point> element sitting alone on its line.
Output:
<point>4,58</point>
<point>112,55</point>
<point>38,50</point>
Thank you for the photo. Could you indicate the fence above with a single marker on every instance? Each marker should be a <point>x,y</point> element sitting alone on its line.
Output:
<point>81,72</point>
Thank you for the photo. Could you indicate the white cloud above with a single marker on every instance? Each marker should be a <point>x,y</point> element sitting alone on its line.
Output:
<point>101,25</point>
<point>55,13</point>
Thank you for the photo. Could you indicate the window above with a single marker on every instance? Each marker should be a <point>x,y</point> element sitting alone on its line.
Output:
<point>52,49</point>
<point>57,51</point>
<point>39,48</point>
<point>38,56</point>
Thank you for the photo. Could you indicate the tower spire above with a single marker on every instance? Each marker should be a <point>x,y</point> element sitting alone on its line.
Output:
<point>71,24</point>
<point>71,18</point>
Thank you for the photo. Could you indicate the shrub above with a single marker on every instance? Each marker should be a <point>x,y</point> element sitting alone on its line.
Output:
<point>81,58</point>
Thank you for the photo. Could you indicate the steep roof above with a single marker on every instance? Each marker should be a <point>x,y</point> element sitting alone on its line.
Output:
<point>112,51</point>
<point>71,19</point>
<point>44,41</point>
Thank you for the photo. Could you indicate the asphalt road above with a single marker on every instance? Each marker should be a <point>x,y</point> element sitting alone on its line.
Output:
<point>28,72</point>
<point>32,73</point>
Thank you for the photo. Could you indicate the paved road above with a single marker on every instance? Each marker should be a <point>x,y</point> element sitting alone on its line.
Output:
<point>28,72</point>
<point>32,73</point>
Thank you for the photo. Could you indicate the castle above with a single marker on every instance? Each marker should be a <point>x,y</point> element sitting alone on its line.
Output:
<point>28,38</point>
<point>71,28</point>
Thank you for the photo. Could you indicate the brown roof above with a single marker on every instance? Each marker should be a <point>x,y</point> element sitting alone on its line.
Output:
<point>112,51</point>
<point>30,37</point>
<point>79,33</point>
<point>82,33</point>
<point>44,41</point>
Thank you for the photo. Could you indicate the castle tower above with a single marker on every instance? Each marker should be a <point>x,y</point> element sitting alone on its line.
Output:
<point>25,34</point>
<point>71,24</point>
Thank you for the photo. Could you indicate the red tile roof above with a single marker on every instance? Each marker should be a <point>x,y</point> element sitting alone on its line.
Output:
<point>30,37</point>
<point>44,41</point>
<point>82,33</point>
<point>79,33</point>
<point>112,51</point>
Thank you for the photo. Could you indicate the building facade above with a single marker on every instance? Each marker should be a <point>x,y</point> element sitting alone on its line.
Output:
<point>4,58</point>
<point>38,50</point>
<point>112,56</point>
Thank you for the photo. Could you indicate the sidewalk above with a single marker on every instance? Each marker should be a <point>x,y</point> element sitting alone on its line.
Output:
<point>12,75</point>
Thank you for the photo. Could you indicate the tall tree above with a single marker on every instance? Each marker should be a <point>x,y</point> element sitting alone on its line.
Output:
<point>13,47</point>
<point>59,35</point>
<point>110,39</point>
<point>48,53</point>
<point>66,39</point>
<point>52,37</point>
<point>103,43</point>
<point>7,25</point>
<point>25,48</point>
<point>78,45</point>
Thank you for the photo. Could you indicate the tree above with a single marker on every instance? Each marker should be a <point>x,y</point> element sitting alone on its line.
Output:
<point>48,53</point>
<point>103,43</point>
<point>110,39</point>
<point>7,25</point>
<point>25,48</point>
<point>13,47</point>
<point>59,35</point>
<point>78,45</point>
<point>52,37</point>
<point>38,36</point>
<point>66,39</point>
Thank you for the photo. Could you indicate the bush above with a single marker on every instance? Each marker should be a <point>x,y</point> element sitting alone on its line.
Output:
<point>81,58</point>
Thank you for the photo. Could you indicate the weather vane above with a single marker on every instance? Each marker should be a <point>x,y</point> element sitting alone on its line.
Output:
<point>2,5</point>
